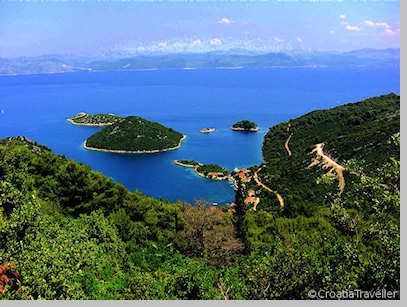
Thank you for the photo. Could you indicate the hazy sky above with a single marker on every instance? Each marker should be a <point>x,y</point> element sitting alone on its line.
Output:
<point>54,27</point>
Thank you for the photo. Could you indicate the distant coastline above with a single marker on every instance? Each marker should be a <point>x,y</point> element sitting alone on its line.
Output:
<point>167,69</point>
<point>316,66</point>
<point>226,60</point>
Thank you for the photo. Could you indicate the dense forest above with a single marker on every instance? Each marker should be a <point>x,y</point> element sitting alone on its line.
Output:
<point>134,133</point>
<point>331,221</point>
<point>68,232</point>
<point>355,133</point>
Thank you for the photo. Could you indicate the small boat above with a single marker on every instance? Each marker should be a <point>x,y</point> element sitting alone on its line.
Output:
<point>207,130</point>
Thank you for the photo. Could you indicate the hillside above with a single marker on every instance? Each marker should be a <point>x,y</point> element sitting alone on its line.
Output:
<point>68,232</point>
<point>135,135</point>
<point>330,185</point>
<point>355,131</point>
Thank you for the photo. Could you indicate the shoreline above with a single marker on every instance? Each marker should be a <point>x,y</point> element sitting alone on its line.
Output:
<point>216,179</point>
<point>120,151</point>
<point>195,167</point>
<point>89,125</point>
<point>177,162</point>
<point>246,130</point>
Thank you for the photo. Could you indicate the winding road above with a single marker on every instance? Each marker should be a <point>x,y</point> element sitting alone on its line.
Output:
<point>279,197</point>
<point>328,162</point>
<point>286,145</point>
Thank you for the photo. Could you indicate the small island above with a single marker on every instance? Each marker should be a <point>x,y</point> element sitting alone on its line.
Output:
<point>245,125</point>
<point>208,171</point>
<point>98,120</point>
<point>136,135</point>
<point>207,130</point>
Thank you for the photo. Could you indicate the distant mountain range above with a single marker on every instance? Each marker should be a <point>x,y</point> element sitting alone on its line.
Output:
<point>231,59</point>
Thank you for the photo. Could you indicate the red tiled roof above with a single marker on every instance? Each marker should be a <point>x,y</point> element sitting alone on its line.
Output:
<point>250,200</point>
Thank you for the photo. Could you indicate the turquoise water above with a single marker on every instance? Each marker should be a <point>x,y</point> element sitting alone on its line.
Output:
<point>187,100</point>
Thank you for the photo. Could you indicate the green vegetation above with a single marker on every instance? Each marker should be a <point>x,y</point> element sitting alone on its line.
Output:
<point>358,131</point>
<point>75,234</point>
<point>211,168</point>
<point>322,238</point>
<point>67,232</point>
<point>245,125</point>
<point>85,119</point>
<point>209,171</point>
<point>135,134</point>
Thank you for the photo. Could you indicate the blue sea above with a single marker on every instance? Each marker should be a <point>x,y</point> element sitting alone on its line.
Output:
<point>37,106</point>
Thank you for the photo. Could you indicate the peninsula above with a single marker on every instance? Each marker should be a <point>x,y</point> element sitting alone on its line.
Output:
<point>245,125</point>
<point>187,163</point>
<point>134,134</point>
<point>98,120</point>
<point>208,171</point>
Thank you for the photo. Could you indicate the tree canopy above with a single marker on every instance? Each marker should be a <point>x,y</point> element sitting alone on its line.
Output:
<point>68,232</point>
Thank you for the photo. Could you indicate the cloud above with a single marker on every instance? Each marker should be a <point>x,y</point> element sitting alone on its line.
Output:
<point>215,42</point>
<point>352,28</point>
<point>376,25</point>
<point>390,32</point>
<point>332,32</point>
<point>380,25</point>
<point>162,44</point>
<point>225,21</point>
<point>278,40</point>
<point>367,24</point>
<point>346,25</point>
<point>299,39</point>
<point>196,42</point>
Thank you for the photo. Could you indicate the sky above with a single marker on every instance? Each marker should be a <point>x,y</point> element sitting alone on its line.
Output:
<point>41,27</point>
